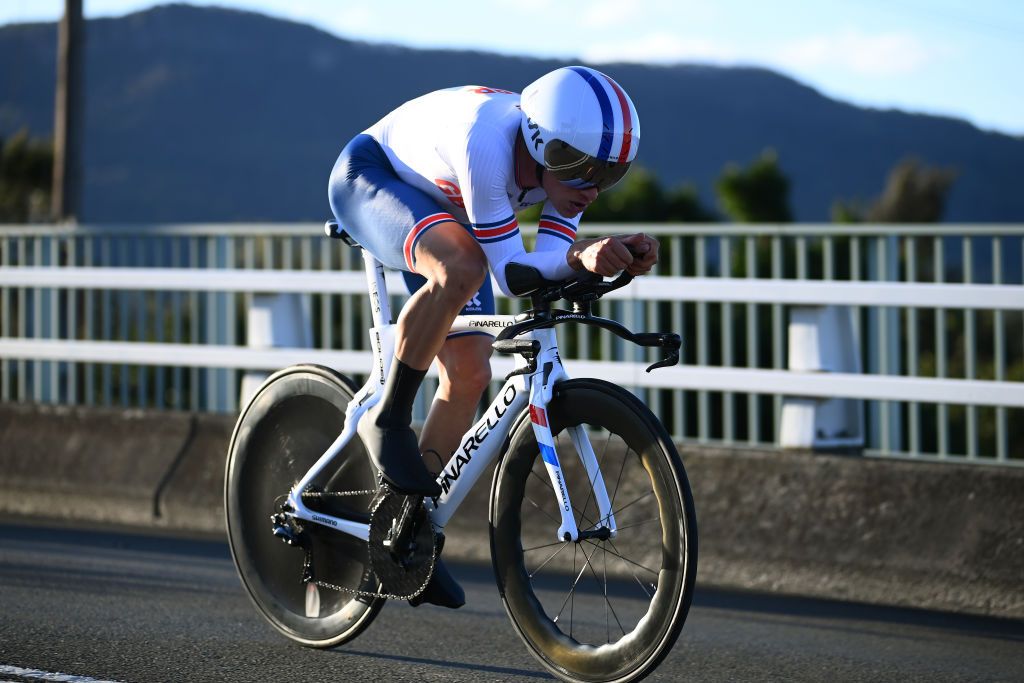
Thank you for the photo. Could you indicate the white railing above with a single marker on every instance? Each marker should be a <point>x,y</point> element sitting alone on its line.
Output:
<point>86,325</point>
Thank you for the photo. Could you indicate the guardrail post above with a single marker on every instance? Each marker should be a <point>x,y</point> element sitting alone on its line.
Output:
<point>275,320</point>
<point>821,339</point>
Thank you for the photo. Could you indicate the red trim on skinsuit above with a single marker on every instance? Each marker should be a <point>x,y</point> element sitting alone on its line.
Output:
<point>557,227</point>
<point>417,231</point>
<point>497,232</point>
<point>627,122</point>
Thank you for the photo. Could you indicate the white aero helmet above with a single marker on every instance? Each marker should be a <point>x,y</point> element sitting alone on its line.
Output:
<point>581,126</point>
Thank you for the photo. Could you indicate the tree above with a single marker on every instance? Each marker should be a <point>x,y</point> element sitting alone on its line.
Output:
<point>26,168</point>
<point>914,193</point>
<point>641,198</point>
<point>758,194</point>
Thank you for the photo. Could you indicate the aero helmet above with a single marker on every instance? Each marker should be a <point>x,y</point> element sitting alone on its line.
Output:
<point>581,126</point>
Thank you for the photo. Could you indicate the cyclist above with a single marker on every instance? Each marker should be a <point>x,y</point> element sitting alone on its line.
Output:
<point>432,190</point>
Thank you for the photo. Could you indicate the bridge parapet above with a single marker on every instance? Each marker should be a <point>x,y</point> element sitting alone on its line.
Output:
<point>157,317</point>
<point>930,535</point>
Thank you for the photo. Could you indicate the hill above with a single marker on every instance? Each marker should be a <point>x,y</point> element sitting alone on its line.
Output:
<point>207,114</point>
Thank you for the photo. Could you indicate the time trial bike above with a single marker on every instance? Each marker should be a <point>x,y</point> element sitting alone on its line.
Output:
<point>593,532</point>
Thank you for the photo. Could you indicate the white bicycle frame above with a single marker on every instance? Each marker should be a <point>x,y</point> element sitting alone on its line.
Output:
<point>484,440</point>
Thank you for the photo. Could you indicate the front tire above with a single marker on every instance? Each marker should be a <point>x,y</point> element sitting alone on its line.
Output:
<point>596,610</point>
<point>290,422</point>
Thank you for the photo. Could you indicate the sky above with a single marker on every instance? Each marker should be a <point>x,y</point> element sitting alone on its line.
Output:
<point>947,57</point>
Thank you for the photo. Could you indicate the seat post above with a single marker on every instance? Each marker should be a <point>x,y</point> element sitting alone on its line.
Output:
<point>377,287</point>
<point>380,305</point>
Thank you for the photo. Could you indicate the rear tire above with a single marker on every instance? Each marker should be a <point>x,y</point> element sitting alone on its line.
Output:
<point>563,597</point>
<point>290,422</point>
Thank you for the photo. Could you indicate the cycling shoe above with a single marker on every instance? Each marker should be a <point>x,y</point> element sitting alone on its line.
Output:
<point>395,452</point>
<point>443,590</point>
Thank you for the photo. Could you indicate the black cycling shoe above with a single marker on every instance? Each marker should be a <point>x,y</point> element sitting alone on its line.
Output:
<point>395,452</point>
<point>443,590</point>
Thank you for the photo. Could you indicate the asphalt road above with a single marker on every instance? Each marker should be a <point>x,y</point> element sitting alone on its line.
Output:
<point>113,605</point>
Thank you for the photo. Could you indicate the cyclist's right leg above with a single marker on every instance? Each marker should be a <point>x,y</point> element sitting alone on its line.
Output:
<point>405,229</point>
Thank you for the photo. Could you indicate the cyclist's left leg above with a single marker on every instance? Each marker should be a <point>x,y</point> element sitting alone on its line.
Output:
<point>465,371</point>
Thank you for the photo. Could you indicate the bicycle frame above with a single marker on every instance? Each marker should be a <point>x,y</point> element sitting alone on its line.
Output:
<point>484,440</point>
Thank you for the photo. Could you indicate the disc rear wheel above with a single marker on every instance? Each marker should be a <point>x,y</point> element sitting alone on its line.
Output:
<point>290,422</point>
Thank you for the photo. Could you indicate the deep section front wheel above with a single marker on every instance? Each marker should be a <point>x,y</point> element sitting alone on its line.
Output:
<point>601,609</point>
<point>290,422</point>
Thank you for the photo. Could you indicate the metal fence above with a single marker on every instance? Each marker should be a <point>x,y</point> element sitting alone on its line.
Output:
<point>912,341</point>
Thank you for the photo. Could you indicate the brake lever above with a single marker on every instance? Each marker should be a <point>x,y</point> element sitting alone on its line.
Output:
<point>663,340</point>
<point>671,359</point>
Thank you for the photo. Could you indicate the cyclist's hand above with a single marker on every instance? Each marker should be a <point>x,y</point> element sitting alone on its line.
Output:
<point>605,255</point>
<point>645,252</point>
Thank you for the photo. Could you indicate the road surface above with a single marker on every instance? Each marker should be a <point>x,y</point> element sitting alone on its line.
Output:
<point>116,605</point>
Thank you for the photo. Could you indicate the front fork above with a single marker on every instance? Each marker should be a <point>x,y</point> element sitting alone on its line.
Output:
<point>549,371</point>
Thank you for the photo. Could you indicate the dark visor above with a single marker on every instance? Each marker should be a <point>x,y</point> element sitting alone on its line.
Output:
<point>579,169</point>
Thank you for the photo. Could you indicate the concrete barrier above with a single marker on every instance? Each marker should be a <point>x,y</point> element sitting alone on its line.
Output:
<point>929,535</point>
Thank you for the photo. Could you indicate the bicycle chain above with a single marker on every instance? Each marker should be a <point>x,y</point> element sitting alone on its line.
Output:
<point>325,494</point>
<point>307,561</point>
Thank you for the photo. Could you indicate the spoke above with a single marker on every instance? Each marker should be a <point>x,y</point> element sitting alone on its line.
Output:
<point>542,510</point>
<point>546,545</point>
<point>631,571</point>
<point>615,551</point>
<point>564,546</point>
<point>590,493</point>
<point>607,627</point>
<point>622,468</point>
<point>572,589</point>
<point>607,603</point>
<point>547,482</point>
<point>632,502</point>
<point>646,521</point>
<point>635,577</point>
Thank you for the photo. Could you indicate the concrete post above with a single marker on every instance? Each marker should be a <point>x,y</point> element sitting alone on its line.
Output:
<point>821,339</point>
<point>275,321</point>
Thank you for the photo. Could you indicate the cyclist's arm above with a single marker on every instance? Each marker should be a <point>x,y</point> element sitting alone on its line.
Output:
<point>481,167</point>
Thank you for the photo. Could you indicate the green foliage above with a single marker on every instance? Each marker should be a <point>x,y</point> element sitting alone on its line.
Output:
<point>26,168</point>
<point>640,198</point>
<point>847,212</point>
<point>758,194</point>
<point>914,193</point>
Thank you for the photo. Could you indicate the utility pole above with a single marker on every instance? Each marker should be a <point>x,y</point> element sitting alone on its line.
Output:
<point>67,128</point>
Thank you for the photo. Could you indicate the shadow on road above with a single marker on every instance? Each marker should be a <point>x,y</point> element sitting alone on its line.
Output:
<point>483,668</point>
<point>813,608</point>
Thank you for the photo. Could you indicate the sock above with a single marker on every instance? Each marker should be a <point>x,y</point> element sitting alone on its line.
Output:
<point>399,393</point>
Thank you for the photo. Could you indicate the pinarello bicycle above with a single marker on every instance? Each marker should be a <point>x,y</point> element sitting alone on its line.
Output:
<point>593,531</point>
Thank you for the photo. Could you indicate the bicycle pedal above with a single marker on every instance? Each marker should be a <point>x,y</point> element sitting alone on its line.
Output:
<point>402,542</point>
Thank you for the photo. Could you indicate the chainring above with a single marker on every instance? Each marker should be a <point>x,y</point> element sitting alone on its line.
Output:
<point>408,576</point>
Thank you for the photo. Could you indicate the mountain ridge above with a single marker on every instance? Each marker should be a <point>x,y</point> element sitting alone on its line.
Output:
<point>205,113</point>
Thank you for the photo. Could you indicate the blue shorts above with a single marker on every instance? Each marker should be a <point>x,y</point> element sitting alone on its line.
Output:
<point>482,303</point>
<point>387,216</point>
